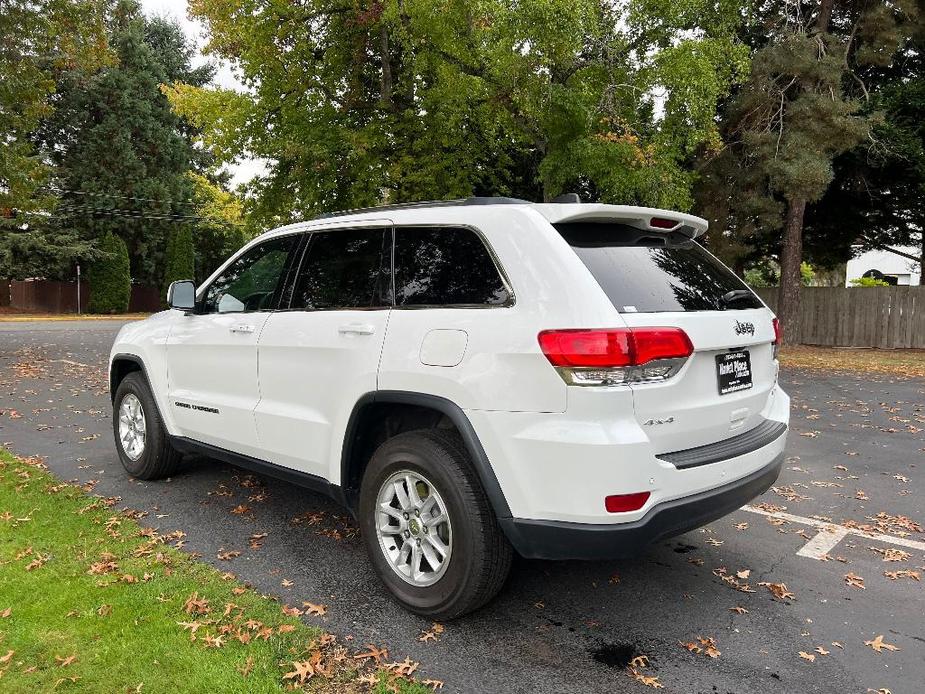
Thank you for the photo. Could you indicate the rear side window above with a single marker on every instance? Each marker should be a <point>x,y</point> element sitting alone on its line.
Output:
<point>646,273</point>
<point>445,266</point>
<point>342,269</point>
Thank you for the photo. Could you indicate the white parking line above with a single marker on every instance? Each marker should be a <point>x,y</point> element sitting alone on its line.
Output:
<point>830,534</point>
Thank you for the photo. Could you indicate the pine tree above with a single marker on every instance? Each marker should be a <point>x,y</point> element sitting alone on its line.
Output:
<point>180,256</point>
<point>109,277</point>
<point>800,109</point>
<point>120,153</point>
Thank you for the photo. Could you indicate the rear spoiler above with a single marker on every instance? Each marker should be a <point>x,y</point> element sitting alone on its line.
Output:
<point>645,218</point>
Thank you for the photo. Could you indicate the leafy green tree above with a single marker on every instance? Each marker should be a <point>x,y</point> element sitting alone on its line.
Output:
<point>121,155</point>
<point>356,103</point>
<point>38,39</point>
<point>801,108</point>
<point>221,230</point>
<point>110,278</point>
<point>180,258</point>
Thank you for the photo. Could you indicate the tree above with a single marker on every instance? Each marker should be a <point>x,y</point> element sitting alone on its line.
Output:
<point>221,229</point>
<point>109,277</point>
<point>387,101</point>
<point>120,154</point>
<point>38,39</point>
<point>180,257</point>
<point>801,108</point>
<point>878,190</point>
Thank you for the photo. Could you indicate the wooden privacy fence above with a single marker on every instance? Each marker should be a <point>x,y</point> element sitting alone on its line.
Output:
<point>48,296</point>
<point>884,317</point>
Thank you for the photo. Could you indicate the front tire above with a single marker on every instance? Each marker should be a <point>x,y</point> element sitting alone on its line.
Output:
<point>141,438</point>
<point>429,528</point>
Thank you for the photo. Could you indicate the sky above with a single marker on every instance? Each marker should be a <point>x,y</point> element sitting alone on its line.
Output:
<point>246,168</point>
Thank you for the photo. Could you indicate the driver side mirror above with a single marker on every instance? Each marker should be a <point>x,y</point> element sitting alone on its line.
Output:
<point>182,295</point>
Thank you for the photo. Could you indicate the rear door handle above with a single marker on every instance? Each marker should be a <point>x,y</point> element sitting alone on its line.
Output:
<point>242,328</point>
<point>357,329</point>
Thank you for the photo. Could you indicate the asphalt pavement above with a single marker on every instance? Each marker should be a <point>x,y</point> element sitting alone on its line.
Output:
<point>856,459</point>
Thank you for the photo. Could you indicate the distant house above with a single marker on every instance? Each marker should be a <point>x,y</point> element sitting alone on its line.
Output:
<point>887,266</point>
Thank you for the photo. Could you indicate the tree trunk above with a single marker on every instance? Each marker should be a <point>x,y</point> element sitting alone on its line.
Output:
<point>791,257</point>
<point>386,80</point>
<point>922,261</point>
<point>825,15</point>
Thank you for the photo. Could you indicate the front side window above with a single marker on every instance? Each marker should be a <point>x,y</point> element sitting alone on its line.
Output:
<point>343,269</point>
<point>445,266</point>
<point>252,281</point>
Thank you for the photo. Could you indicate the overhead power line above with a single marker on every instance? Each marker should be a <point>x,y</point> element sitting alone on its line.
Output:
<point>116,196</point>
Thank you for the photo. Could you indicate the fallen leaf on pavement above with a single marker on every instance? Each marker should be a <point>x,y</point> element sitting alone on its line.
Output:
<point>318,610</point>
<point>854,581</point>
<point>878,644</point>
<point>778,590</point>
<point>807,656</point>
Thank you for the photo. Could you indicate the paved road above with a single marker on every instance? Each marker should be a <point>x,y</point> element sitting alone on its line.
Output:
<point>558,627</point>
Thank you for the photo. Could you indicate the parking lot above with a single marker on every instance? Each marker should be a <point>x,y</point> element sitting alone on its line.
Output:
<point>791,594</point>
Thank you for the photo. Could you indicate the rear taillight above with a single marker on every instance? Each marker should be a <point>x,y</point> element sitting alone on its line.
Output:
<point>616,356</point>
<point>777,336</point>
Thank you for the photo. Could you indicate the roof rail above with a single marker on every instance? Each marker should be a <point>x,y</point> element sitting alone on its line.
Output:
<point>429,203</point>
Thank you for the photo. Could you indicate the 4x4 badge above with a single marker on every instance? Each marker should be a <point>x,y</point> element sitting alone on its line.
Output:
<point>743,328</point>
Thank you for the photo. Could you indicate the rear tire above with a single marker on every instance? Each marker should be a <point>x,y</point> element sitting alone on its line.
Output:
<point>478,554</point>
<point>141,438</point>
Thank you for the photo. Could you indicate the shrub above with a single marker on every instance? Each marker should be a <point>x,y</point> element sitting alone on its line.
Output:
<point>110,277</point>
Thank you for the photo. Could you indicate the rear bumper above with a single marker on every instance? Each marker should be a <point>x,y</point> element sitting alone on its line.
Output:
<point>537,539</point>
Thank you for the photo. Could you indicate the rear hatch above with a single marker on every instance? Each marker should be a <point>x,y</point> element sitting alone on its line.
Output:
<point>661,278</point>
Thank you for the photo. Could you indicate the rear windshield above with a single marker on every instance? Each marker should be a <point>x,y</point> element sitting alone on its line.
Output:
<point>642,272</point>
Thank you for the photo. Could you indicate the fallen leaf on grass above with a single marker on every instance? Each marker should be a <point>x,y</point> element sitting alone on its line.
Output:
<point>64,662</point>
<point>377,654</point>
<point>878,644</point>
<point>248,666</point>
<point>6,613</point>
<point>404,668</point>
<point>6,658</point>
<point>854,581</point>
<point>196,605</point>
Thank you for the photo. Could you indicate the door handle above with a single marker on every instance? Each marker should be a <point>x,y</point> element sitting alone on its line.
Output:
<point>357,329</point>
<point>242,328</point>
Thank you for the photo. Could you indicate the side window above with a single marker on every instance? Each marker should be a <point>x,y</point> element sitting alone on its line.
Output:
<point>250,283</point>
<point>440,266</point>
<point>342,268</point>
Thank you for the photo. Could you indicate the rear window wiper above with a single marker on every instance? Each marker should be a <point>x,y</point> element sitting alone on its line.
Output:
<point>735,295</point>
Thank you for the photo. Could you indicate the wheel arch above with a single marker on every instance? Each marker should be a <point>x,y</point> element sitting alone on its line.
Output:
<point>358,445</point>
<point>120,367</point>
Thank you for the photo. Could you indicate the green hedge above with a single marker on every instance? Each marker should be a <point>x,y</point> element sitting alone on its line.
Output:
<point>110,278</point>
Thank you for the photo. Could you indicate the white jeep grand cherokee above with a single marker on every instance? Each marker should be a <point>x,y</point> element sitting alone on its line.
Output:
<point>470,378</point>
